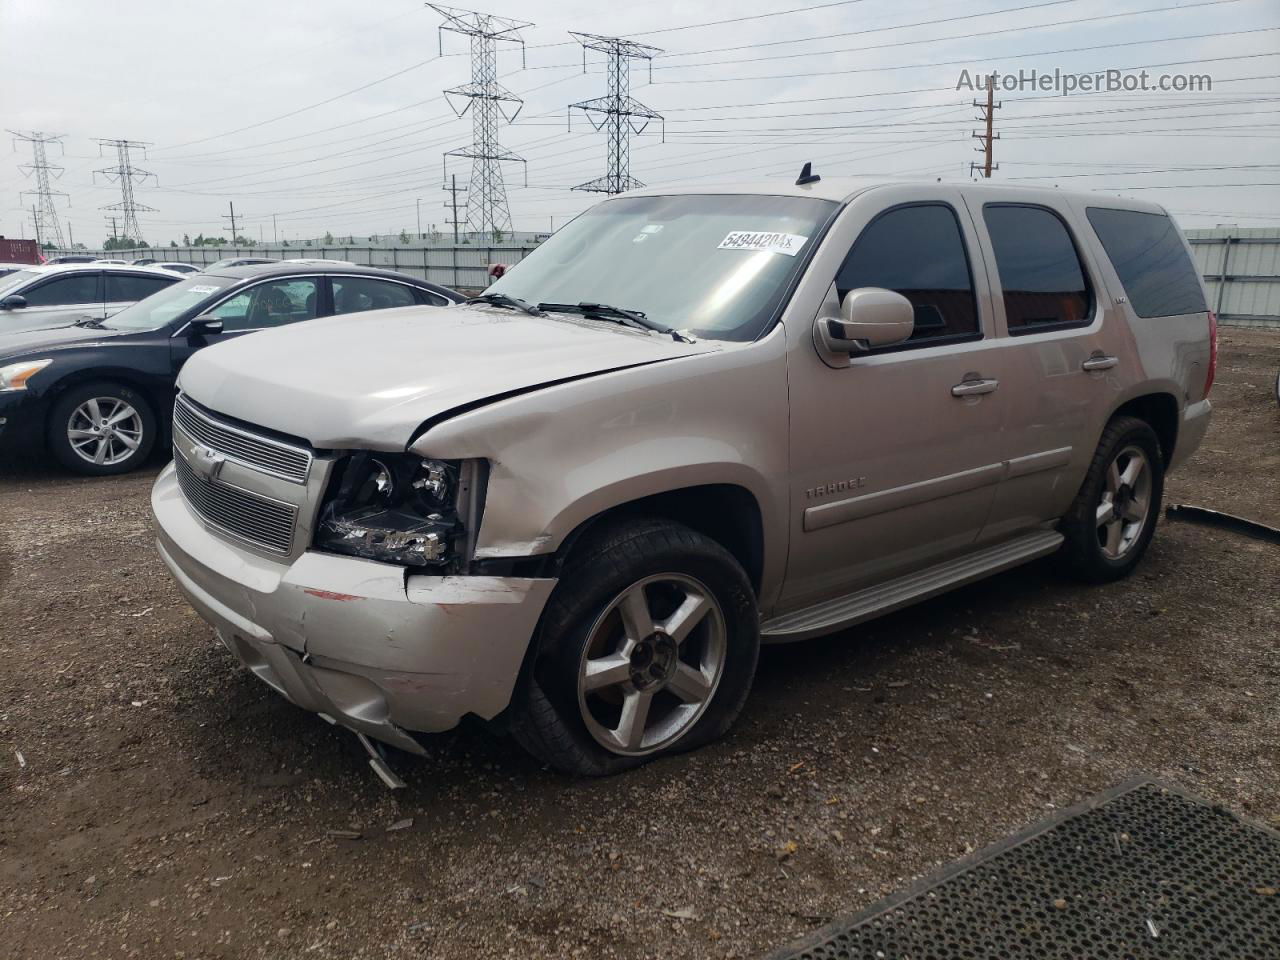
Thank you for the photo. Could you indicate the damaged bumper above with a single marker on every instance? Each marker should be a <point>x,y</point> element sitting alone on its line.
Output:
<point>356,641</point>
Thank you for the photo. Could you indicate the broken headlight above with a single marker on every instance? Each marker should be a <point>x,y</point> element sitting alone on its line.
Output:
<point>397,508</point>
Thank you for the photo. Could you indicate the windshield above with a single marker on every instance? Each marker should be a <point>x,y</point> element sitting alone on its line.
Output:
<point>715,266</point>
<point>159,308</point>
<point>17,277</point>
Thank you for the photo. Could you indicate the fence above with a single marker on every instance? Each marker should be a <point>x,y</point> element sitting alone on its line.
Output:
<point>464,266</point>
<point>1240,265</point>
<point>1241,269</point>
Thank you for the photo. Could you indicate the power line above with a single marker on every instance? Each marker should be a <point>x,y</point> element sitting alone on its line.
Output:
<point>125,173</point>
<point>487,99</point>
<point>44,215</point>
<point>620,114</point>
<point>1017,56</point>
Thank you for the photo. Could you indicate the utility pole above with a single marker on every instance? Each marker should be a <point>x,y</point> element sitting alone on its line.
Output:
<point>488,100</point>
<point>114,235</point>
<point>620,114</point>
<point>988,139</point>
<point>232,217</point>
<point>453,203</point>
<point>418,205</point>
<point>35,221</point>
<point>46,219</point>
<point>275,234</point>
<point>71,237</point>
<point>125,173</point>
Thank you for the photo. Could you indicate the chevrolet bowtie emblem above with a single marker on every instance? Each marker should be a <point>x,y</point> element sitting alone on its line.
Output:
<point>206,462</point>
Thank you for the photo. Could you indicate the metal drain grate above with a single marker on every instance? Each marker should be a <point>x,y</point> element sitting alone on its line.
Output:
<point>1141,872</point>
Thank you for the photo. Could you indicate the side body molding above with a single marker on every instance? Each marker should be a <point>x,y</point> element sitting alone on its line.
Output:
<point>869,504</point>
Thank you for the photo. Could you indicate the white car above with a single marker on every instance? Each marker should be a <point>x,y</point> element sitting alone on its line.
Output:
<point>8,268</point>
<point>175,267</point>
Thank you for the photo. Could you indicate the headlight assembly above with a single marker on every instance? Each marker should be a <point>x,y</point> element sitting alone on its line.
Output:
<point>397,508</point>
<point>16,375</point>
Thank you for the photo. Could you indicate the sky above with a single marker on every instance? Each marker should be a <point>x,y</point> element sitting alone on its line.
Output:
<point>317,116</point>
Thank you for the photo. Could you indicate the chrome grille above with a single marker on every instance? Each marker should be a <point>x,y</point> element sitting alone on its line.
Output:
<point>270,456</point>
<point>255,519</point>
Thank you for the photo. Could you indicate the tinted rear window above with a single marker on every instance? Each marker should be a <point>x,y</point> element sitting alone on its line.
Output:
<point>1040,273</point>
<point>1151,261</point>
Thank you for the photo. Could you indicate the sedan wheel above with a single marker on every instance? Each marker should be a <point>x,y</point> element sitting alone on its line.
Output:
<point>105,431</point>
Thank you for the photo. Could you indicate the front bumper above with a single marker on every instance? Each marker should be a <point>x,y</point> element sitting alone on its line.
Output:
<point>356,641</point>
<point>22,420</point>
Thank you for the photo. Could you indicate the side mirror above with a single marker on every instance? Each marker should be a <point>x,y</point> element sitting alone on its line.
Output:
<point>869,317</point>
<point>206,325</point>
<point>14,301</point>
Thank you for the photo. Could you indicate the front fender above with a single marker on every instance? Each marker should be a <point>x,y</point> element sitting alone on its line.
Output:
<point>562,455</point>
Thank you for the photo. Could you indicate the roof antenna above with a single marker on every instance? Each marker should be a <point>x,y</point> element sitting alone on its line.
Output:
<point>807,175</point>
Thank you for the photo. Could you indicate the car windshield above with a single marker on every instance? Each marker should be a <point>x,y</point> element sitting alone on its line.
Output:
<point>716,266</point>
<point>15,278</point>
<point>159,308</point>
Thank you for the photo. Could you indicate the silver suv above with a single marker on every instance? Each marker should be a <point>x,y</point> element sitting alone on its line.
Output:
<point>688,423</point>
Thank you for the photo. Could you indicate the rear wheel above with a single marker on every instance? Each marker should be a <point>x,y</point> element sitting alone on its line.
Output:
<point>647,647</point>
<point>1114,515</point>
<point>101,428</point>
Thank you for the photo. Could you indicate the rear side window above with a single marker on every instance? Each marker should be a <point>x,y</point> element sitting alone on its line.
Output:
<point>1041,276</point>
<point>357,294</point>
<point>1151,261</point>
<point>917,251</point>
<point>122,287</point>
<point>75,289</point>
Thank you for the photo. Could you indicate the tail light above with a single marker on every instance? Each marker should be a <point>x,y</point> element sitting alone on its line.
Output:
<point>1213,353</point>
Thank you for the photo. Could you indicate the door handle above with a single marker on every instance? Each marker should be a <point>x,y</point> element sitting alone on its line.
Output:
<point>972,388</point>
<point>1099,363</point>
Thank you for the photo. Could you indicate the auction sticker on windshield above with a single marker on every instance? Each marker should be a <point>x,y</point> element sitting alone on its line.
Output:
<point>788,244</point>
<point>203,289</point>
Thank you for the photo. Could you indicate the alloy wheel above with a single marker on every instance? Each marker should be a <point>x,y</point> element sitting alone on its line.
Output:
<point>652,663</point>
<point>1125,506</point>
<point>105,431</point>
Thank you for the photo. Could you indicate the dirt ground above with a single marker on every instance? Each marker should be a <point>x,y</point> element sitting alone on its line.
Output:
<point>166,804</point>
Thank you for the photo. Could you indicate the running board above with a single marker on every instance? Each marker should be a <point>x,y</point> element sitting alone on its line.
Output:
<point>903,591</point>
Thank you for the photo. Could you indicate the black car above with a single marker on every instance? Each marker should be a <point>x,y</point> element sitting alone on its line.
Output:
<point>98,394</point>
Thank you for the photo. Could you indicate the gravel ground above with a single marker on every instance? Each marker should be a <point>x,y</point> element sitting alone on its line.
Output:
<point>166,804</point>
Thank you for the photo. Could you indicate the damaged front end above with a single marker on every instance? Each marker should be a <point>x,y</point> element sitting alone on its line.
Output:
<point>402,509</point>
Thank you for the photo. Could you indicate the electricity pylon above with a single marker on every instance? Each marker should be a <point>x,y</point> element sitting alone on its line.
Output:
<point>618,113</point>
<point>44,216</point>
<point>488,101</point>
<point>125,173</point>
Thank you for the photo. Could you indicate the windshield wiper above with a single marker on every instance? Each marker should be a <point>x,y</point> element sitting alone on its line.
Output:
<point>603,311</point>
<point>502,300</point>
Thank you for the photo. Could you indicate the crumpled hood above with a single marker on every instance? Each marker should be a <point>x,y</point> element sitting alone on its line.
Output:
<point>370,379</point>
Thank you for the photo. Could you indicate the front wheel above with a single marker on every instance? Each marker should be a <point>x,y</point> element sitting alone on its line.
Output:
<point>101,428</point>
<point>1114,515</point>
<point>647,647</point>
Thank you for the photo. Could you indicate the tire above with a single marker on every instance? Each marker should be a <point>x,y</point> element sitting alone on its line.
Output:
<point>579,718</point>
<point>123,447</point>
<point>1102,546</point>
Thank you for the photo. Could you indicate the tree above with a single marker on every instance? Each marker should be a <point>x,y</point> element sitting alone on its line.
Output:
<point>49,246</point>
<point>328,238</point>
<point>240,240</point>
<point>197,242</point>
<point>498,236</point>
<point>186,240</point>
<point>404,236</point>
<point>173,243</point>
